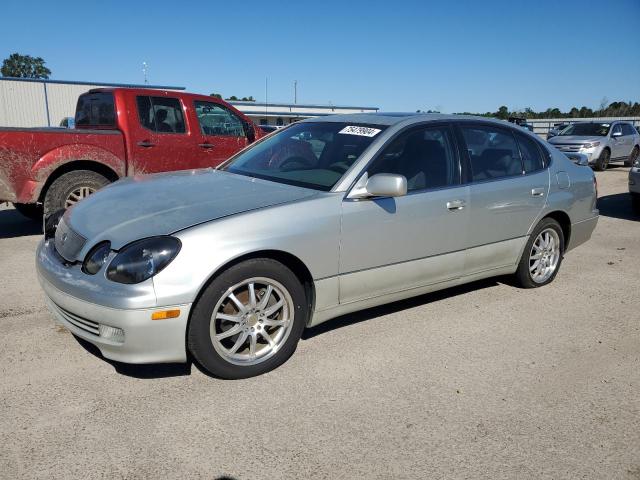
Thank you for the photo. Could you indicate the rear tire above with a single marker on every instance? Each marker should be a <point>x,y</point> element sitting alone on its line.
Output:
<point>603,160</point>
<point>532,272</point>
<point>32,211</point>
<point>255,337</point>
<point>72,187</point>
<point>632,158</point>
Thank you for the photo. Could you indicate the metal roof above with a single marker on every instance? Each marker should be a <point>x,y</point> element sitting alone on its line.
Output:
<point>102,84</point>
<point>296,105</point>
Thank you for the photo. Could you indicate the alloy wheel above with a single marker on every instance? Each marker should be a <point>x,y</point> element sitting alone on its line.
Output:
<point>78,194</point>
<point>544,256</point>
<point>251,321</point>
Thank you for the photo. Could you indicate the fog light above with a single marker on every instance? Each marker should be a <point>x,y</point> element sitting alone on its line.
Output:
<point>111,333</point>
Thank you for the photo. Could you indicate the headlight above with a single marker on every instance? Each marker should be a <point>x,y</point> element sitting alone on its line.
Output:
<point>143,259</point>
<point>96,257</point>
<point>590,145</point>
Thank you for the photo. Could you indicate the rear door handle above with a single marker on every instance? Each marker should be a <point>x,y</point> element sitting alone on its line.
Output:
<point>206,145</point>
<point>537,192</point>
<point>456,205</point>
<point>146,144</point>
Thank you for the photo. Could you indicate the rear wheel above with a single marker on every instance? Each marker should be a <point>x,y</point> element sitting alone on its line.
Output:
<point>248,320</point>
<point>542,255</point>
<point>633,157</point>
<point>70,188</point>
<point>32,211</point>
<point>603,160</point>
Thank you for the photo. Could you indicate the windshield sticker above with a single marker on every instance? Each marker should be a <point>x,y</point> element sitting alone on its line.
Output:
<point>361,131</point>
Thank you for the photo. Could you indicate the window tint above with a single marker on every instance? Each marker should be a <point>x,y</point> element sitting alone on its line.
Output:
<point>214,119</point>
<point>425,157</point>
<point>531,155</point>
<point>95,109</point>
<point>627,129</point>
<point>161,114</point>
<point>492,151</point>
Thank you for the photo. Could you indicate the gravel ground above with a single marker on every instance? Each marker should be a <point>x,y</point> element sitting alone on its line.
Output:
<point>482,381</point>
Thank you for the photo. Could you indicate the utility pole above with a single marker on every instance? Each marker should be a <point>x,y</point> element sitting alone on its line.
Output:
<point>145,68</point>
<point>295,92</point>
<point>266,98</point>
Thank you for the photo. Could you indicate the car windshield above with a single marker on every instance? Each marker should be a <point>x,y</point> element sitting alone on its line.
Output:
<point>311,155</point>
<point>587,129</point>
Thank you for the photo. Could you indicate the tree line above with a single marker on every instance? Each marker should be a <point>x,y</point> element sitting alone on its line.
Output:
<point>606,109</point>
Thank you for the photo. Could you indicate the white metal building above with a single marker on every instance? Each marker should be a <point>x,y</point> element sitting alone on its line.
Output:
<point>41,103</point>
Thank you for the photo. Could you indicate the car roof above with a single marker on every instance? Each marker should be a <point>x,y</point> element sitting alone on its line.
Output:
<point>393,118</point>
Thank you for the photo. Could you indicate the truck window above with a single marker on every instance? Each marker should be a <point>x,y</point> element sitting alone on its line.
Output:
<point>95,110</point>
<point>161,114</point>
<point>214,119</point>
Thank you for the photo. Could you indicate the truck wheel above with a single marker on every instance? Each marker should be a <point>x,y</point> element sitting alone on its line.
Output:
<point>70,188</point>
<point>32,211</point>
<point>603,160</point>
<point>633,157</point>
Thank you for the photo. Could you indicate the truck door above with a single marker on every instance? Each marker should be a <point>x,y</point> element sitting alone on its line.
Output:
<point>161,140</point>
<point>222,133</point>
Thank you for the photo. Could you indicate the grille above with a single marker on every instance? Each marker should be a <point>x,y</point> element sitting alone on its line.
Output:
<point>568,147</point>
<point>82,323</point>
<point>68,243</point>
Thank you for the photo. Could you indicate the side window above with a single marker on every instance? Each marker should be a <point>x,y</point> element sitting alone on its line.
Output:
<point>627,129</point>
<point>616,129</point>
<point>161,114</point>
<point>426,158</point>
<point>214,119</point>
<point>531,156</point>
<point>493,152</point>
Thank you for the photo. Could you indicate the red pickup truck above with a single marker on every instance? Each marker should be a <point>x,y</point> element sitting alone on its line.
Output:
<point>119,132</point>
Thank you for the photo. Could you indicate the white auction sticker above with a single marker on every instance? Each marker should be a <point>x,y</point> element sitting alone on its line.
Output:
<point>362,131</point>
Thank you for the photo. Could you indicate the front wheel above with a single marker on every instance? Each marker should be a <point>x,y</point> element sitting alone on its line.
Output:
<point>542,255</point>
<point>603,160</point>
<point>248,320</point>
<point>633,157</point>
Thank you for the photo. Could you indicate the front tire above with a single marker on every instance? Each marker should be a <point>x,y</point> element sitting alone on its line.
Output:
<point>248,320</point>
<point>603,160</point>
<point>633,157</point>
<point>542,255</point>
<point>70,188</point>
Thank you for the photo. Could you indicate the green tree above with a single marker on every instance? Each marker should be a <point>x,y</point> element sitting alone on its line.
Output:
<point>503,112</point>
<point>216,95</point>
<point>232,97</point>
<point>24,66</point>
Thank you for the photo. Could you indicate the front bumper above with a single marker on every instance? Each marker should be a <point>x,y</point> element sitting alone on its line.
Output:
<point>141,339</point>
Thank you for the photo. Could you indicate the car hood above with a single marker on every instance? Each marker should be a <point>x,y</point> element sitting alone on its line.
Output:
<point>161,204</point>
<point>575,139</point>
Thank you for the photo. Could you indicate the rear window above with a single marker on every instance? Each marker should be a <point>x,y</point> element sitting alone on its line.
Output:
<point>95,110</point>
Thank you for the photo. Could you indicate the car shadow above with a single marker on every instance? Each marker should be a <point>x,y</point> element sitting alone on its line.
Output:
<point>141,371</point>
<point>14,224</point>
<point>617,205</point>
<point>389,308</point>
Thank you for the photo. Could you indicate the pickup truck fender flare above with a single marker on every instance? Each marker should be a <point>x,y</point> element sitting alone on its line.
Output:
<point>42,170</point>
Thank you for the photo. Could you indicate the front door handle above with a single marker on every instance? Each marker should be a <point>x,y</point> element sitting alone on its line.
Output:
<point>456,205</point>
<point>206,145</point>
<point>146,144</point>
<point>537,192</point>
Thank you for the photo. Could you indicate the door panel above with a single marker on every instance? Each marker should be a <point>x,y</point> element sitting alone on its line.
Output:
<point>400,243</point>
<point>221,132</point>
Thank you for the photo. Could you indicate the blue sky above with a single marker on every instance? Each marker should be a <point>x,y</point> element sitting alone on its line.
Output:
<point>398,55</point>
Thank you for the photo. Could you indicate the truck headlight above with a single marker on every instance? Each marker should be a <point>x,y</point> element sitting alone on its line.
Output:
<point>96,257</point>
<point>587,146</point>
<point>143,259</point>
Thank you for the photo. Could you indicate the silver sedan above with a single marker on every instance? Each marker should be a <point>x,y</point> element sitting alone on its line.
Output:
<point>322,218</point>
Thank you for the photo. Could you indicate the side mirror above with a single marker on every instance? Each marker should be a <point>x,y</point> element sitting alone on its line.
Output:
<point>617,134</point>
<point>380,185</point>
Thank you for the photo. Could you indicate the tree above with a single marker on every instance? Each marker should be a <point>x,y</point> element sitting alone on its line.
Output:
<point>24,66</point>
<point>503,112</point>
<point>232,97</point>
<point>216,95</point>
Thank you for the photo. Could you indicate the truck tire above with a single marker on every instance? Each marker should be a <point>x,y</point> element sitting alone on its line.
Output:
<point>72,187</point>
<point>32,211</point>
<point>633,157</point>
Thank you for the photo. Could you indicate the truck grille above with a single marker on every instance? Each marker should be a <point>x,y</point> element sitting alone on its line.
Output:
<point>568,147</point>
<point>67,242</point>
